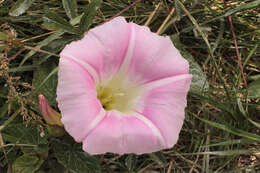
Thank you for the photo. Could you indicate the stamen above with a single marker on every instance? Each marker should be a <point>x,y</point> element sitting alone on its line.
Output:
<point>118,94</point>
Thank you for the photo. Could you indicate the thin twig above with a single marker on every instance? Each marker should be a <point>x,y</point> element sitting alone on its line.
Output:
<point>165,21</point>
<point>153,13</point>
<point>40,50</point>
<point>170,167</point>
<point>15,55</point>
<point>188,161</point>
<point>196,160</point>
<point>38,36</point>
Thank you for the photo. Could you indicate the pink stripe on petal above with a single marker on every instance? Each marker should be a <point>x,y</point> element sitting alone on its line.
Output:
<point>152,127</point>
<point>77,98</point>
<point>86,66</point>
<point>154,57</point>
<point>103,47</point>
<point>129,53</point>
<point>164,81</point>
<point>164,106</point>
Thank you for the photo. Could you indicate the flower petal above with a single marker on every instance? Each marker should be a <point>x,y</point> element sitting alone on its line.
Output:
<point>154,57</point>
<point>120,133</point>
<point>77,98</point>
<point>164,107</point>
<point>102,49</point>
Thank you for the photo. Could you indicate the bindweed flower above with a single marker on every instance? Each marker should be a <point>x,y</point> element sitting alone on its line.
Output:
<point>122,89</point>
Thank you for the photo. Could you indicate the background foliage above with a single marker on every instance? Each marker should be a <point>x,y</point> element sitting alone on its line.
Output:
<point>221,129</point>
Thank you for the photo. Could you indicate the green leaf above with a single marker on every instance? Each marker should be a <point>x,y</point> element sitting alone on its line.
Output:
<point>254,89</point>
<point>20,7</point>
<point>70,7</point>
<point>199,79</point>
<point>53,20</point>
<point>74,159</point>
<point>45,81</point>
<point>89,15</point>
<point>27,164</point>
<point>76,20</point>
<point>29,137</point>
<point>241,7</point>
<point>19,133</point>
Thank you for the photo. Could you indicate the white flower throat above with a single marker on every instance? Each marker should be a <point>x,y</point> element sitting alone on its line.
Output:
<point>118,94</point>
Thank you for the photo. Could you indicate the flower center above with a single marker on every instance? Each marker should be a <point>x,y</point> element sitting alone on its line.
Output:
<point>118,94</point>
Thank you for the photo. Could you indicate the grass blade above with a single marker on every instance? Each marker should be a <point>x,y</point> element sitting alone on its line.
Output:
<point>241,7</point>
<point>231,129</point>
<point>230,142</point>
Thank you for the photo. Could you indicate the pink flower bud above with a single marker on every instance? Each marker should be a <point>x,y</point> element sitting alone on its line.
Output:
<point>49,115</point>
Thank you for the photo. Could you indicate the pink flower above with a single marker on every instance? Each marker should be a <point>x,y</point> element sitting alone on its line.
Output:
<point>122,89</point>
